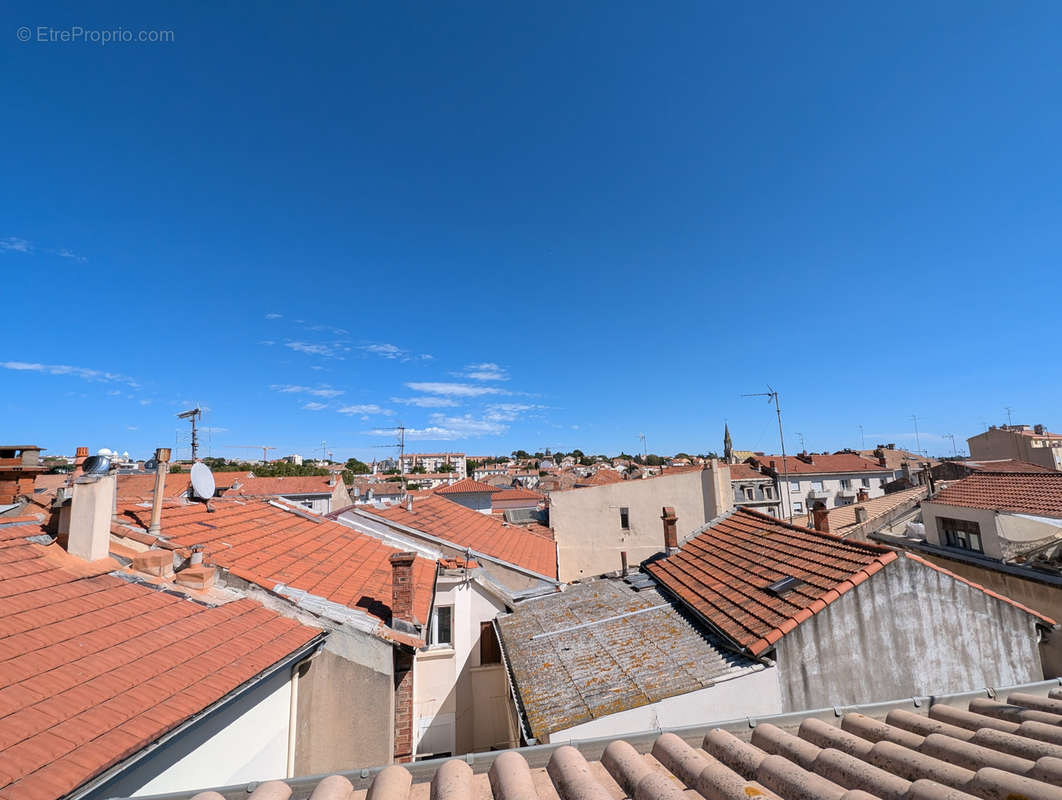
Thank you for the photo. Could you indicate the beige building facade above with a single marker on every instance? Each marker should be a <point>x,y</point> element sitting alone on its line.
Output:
<point>1022,442</point>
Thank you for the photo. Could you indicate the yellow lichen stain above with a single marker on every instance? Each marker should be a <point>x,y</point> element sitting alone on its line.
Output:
<point>752,791</point>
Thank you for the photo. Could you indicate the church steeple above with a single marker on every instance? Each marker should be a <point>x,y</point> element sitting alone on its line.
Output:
<point>728,446</point>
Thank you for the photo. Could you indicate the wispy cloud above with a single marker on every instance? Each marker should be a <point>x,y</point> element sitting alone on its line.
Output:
<point>273,316</point>
<point>393,351</point>
<point>507,412</point>
<point>13,244</point>
<point>317,391</point>
<point>131,428</point>
<point>426,402</point>
<point>84,373</point>
<point>365,409</point>
<point>449,428</point>
<point>486,371</point>
<point>314,406</point>
<point>327,350</point>
<point>212,429</point>
<point>454,389</point>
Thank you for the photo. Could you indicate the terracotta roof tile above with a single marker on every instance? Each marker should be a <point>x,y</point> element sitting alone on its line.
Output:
<point>516,493</point>
<point>464,527</point>
<point>1039,494</point>
<point>823,464</point>
<point>76,658</point>
<point>283,485</point>
<point>267,545</point>
<point>723,573</point>
<point>844,516</point>
<point>466,486</point>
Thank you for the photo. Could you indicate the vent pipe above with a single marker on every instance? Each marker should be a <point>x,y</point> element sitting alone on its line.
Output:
<point>162,459</point>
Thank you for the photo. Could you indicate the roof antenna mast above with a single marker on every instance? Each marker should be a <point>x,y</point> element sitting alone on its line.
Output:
<point>193,414</point>
<point>772,397</point>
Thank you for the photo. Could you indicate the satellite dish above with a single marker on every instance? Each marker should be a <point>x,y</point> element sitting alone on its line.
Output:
<point>202,481</point>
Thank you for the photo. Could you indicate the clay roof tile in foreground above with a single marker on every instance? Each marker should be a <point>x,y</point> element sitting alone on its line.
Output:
<point>93,668</point>
<point>275,546</point>
<point>445,519</point>
<point>1039,494</point>
<point>951,747</point>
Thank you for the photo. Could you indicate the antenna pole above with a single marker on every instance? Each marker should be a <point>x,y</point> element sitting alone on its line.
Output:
<point>1008,409</point>
<point>952,437</point>
<point>772,395</point>
<point>803,447</point>
<point>918,441</point>
<point>862,439</point>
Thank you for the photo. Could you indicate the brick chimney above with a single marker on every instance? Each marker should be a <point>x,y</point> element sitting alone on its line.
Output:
<point>90,516</point>
<point>822,519</point>
<point>882,462</point>
<point>670,530</point>
<point>79,461</point>
<point>862,496</point>
<point>402,593</point>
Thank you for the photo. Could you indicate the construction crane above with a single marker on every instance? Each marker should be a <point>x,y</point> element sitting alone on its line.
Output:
<point>265,448</point>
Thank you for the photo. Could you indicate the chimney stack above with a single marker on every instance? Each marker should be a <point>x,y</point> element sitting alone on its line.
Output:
<point>409,503</point>
<point>623,562</point>
<point>882,462</point>
<point>402,592</point>
<point>162,456</point>
<point>822,519</point>
<point>861,515</point>
<point>79,461</point>
<point>90,517</point>
<point>670,530</point>
<point>862,496</point>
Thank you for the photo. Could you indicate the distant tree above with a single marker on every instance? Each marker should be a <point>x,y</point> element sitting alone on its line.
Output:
<point>176,468</point>
<point>539,455</point>
<point>521,454</point>
<point>687,456</point>
<point>358,467</point>
<point>391,472</point>
<point>418,470</point>
<point>448,468</point>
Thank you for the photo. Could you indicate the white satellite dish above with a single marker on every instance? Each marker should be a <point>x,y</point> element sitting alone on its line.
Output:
<point>202,481</point>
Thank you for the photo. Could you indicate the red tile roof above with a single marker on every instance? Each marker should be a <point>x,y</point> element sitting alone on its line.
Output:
<point>289,484</point>
<point>268,546</point>
<point>602,477</point>
<point>1039,494</point>
<point>142,487</point>
<point>744,472</point>
<point>466,486</point>
<point>822,464</point>
<point>516,493</point>
<point>94,668</point>
<point>464,527</point>
<point>1004,465</point>
<point>722,573</point>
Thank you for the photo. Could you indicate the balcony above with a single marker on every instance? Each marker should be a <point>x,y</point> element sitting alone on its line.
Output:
<point>819,494</point>
<point>847,491</point>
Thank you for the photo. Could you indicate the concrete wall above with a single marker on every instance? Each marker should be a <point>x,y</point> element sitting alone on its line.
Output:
<point>1003,536</point>
<point>477,501</point>
<point>586,522</point>
<point>752,694</point>
<point>759,501</point>
<point>908,630</point>
<point>345,705</point>
<point>998,443</point>
<point>247,740</point>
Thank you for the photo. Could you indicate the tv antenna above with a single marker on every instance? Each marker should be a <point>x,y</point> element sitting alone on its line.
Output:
<point>803,447</point>
<point>918,441</point>
<point>952,437</point>
<point>1008,409</point>
<point>862,439</point>
<point>400,444</point>
<point>194,415</point>
<point>772,397</point>
<point>645,452</point>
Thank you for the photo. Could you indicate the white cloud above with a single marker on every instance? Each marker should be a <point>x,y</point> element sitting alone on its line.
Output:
<point>319,391</point>
<point>366,408</point>
<point>13,244</point>
<point>454,389</point>
<point>62,252</point>
<point>214,430</point>
<point>145,402</point>
<point>426,402</point>
<point>314,406</point>
<point>507,412</point>
<point>448,428</point>
<point>385,350</point>
<point>79,372</point>
<point>273,316</point>
<point>131,428</point>
<point>486,371</point>
<point>114,392</point>
<point>332,350</point>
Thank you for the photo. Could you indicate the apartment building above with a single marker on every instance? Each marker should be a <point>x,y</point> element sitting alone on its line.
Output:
<point>840,479</point>
<point>1022,442</point>
<point>434,462</point>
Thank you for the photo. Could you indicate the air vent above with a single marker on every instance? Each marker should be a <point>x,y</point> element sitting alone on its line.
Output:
<point>785,585</point>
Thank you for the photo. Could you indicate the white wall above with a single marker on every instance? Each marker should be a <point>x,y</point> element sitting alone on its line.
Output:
<point>246,740</point>
<point>751,694</point>
<point>831,484</point>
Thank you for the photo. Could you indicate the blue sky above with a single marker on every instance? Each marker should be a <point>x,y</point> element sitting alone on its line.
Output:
<point>544,225</point>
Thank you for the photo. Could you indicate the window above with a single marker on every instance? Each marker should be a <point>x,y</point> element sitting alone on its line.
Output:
<point>750,493</point>
<point>489,650</point>
<point>798,508</point>
<point>816,486</point>
<point>846,483</point>
<point>768,492</point>
<point>625,518</point>
<point>794,486</point>
<point>960,533</point>
<point>442,626</point>
<point>866,483</point>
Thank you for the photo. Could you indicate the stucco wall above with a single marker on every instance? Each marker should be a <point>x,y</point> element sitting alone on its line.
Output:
<point>983,517</point>
<point>908,630</point>
<point>586,521</point>
<point>750,695</point>
<point>246,740</point>
<point>346,705</point>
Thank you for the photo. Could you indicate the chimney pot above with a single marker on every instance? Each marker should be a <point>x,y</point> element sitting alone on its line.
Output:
<point>623,562</point>
<point>822,519</point>
<point>90,517</point>
<point>862,496</point>
<point>881,461</point>
<point>860,515</point>
<point>670,530</point>
<point>409,503</point>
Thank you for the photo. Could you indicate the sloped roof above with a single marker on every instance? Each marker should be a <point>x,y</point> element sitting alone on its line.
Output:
<point>582,654</point>
<point>464,527</point>
<point>466,486</point>
<point>744,472</point>
<point>602,477</point>
<point>894,458</point>
<point>93,668</point>
<point>1004,465</point>
<point>142,487</point>
<point>845,516</point>
<point>1039,494</point>
<point>723,572</point>
<point>516,493</point>
<point>823,464</point>
<point>282,485</point>
<point>266,545</point>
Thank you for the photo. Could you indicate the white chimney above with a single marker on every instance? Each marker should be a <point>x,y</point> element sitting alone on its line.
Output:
<point>90,517</point>
<point>162,466</point>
